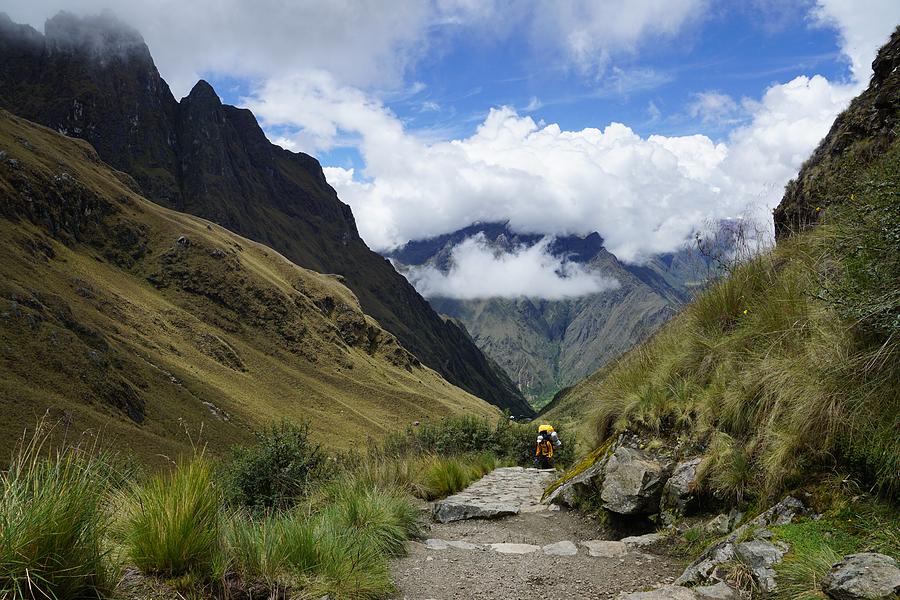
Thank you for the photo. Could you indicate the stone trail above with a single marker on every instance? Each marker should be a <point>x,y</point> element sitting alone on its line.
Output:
<point>496,540</point>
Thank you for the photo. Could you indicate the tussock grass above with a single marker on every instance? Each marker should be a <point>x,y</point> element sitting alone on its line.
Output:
<point>767,376</point>
<point>171,523</point>
<point>53,522</point>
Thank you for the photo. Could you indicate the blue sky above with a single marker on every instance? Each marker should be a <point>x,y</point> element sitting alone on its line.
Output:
<point>642,120</point>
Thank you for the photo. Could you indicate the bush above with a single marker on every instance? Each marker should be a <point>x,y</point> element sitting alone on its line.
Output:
<point>171,523</point>
<point>276,471</point>
<point>52,524</point>
<point>467,435</point>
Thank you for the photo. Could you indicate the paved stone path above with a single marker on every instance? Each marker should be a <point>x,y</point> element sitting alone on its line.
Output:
<point>495,540</point>
<point>502,492</point>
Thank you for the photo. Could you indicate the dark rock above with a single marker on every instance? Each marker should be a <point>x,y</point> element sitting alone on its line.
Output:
<point>863,576</point>
<point>679,489</point>
<point>183,241</point>
<point>633,482</point>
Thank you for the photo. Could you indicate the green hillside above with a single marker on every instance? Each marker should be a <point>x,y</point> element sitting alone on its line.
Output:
<point>791,366</point>
<point>121,315</point>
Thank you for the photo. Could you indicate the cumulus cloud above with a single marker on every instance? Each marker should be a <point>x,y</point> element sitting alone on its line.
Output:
<point>644,195</point>
<point>712,106</point>
<point>479,271</point>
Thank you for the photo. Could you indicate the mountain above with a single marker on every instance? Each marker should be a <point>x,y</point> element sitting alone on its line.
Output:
<point>122,315</point>
<point>546,345</point>
<point>94,78</point>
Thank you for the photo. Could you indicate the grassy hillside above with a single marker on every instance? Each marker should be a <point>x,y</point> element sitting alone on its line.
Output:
<point>791,366</point>
<point>116,313</point>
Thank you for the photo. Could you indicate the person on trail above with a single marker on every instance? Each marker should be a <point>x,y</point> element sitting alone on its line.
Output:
<point>547,442</point>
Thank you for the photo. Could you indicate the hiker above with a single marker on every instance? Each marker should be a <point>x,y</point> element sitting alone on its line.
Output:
<point>547,442</point>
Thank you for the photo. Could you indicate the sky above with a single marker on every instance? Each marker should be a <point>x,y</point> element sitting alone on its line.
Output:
<point>638,119</point>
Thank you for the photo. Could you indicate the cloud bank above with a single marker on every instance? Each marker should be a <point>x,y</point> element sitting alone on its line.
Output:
<point>480,271</point>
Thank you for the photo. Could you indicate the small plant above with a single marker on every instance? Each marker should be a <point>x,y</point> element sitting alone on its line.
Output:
<point>53,522</point>
<point>276,471</point>
<point>171,523</point>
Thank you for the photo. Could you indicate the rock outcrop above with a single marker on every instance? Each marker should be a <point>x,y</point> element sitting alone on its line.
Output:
<point>859,134</point>
<point>633,482</point>
<point>680,489</point>
<point>863,576</point>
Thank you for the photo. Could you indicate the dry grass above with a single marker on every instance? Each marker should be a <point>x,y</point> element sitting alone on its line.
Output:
<point>231,342</point>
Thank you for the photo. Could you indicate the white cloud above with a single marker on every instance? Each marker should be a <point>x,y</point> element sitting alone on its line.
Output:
<point>592,33</point>
<point>480,271</point>
<point>864,26</point>
<point>712,106</point>
<point>643,195</point>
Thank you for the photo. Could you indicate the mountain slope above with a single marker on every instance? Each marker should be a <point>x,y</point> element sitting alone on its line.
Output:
<point>94,78</point>
<point>545,345</point>
<point>120,314</point>
<point>788,370</point>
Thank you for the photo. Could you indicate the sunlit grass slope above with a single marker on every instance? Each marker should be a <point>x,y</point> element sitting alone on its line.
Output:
<point>120,315</point>
<point>787,368</point>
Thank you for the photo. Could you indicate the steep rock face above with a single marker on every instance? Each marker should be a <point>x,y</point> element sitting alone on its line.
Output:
<point>545,345</point>
<point>861,133</point>
<point>94,78</point>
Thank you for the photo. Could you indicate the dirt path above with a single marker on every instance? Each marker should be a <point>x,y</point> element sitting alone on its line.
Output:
<point>534,552</point>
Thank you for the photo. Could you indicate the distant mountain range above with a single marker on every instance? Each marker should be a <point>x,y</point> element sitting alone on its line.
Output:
<point>94,79</point>
<point>546,345</point>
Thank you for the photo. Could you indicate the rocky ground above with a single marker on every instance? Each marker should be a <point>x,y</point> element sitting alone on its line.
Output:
<point>534,551</point>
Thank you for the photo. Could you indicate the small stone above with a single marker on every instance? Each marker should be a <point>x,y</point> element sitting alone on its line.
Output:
<point>605,548</point>
<point>664,592</point>
<point>563,548</point>
<point>508,548</point>
<point>183,241</point>
<point>863,576</point>
<point>641,541</point>
<point>435,544</point>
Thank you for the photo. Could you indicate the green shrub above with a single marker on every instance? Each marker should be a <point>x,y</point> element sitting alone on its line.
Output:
<point>277,470</point>
<point>446,476</point>
<point>171,523</point>
<point>52,524</point>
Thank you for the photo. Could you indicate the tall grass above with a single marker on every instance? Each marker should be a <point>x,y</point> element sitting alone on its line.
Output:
<point>52,524</point>
<point>171,523</point>
<point>767,376</point>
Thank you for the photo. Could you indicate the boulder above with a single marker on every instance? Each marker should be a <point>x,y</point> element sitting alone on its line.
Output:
<point>633,483</point>
<point>679,490</point>
<point>866,575</point>
<point>760,556</point>
<point>450,510</point>
<point>567,492</point>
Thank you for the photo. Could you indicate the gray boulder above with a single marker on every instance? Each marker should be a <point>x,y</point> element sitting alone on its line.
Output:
<point>568,492</point>
<point>453,509</point>
<point>723,524</point>
<point>633,483</point>
<point>867,575</point>
<point>719,591</point>
<point>678,492</point>
<point>761,557</point>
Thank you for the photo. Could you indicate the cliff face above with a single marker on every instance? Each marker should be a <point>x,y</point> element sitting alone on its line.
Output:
<point>858,136</point>
<point>94,78</point>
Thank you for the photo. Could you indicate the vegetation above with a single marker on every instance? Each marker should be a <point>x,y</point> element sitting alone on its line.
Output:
<point>53,524</point>
<point>278,515</point>
<point>114,324</point>
<point>512,442</point>
<point>765,373</point>
<point>276,471</point>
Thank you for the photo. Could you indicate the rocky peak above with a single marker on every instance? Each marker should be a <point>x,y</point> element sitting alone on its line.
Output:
<point>102,37</point>
<point>203,94</point>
